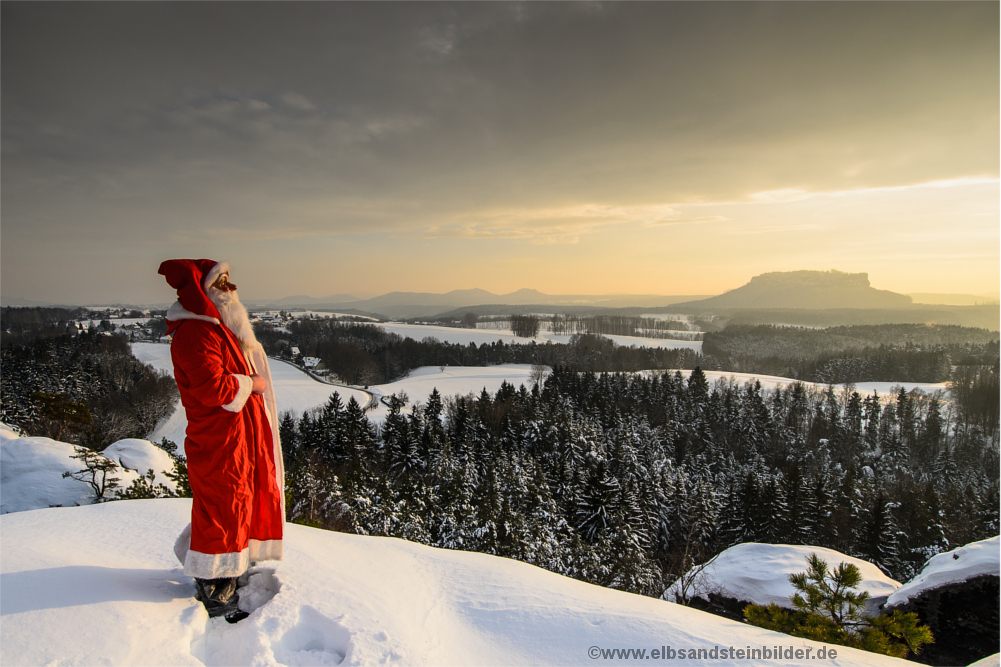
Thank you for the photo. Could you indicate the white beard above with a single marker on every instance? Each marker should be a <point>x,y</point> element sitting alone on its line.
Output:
<point>234,315</point>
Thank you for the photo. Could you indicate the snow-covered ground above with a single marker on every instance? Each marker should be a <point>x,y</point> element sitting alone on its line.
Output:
<point>885,389</point>
<point>451,381</point>
<point>295,391</point>
<point>116,322</point>
<point>479,336</point>
<point>142,455</point>
<point>319,314</point>
<point>156,355</point>
<point>989,661</point>
<point>31,470</point>
<point>759,573</point>
<point>100,585</point>
<point>950,567</point>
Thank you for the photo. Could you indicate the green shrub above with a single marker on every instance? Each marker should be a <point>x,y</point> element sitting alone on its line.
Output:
<point>828,609</point>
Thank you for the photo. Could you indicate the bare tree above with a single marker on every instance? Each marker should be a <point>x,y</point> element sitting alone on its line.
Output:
<point>539,373</point>
<point>95,473</point>
<point>694,580</point>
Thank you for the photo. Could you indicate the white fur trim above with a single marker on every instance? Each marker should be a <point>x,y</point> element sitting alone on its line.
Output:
<point>177,312</point>
<point>183,544</point>
<point>216,271</point>
<point>246,388</point>
<point>260,361</point>
<point>214,566</point>
<point>233,564</point>
<point>266,550</point>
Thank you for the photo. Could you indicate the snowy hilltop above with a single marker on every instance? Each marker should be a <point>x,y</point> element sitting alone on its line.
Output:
<point>31,470</point>
<point>100,585</point>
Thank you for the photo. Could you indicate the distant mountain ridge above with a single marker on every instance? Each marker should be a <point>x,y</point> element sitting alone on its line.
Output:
<point>806,289</point>
<point>426,304</point>
<point>302,300</point>
<point>774,291</point>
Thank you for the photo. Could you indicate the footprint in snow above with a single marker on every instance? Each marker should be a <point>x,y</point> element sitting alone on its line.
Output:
<point>313,640</point>
<point>257,587</point>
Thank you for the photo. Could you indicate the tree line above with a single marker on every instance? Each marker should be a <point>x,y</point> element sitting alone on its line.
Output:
<point>85,389</point>
<point>627,480</point>
<point>617,325</point>
<point>879,353</point>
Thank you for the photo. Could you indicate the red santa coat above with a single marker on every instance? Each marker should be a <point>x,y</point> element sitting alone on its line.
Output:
<point>231,444</point>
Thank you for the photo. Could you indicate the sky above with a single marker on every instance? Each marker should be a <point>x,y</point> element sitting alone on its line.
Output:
<point>575,148</point>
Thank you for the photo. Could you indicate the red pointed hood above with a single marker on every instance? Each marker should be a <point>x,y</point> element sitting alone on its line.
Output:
<point>191,277</point>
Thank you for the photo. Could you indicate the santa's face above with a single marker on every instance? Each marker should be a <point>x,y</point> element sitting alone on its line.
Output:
<point>233,314</point>
<point>223,285</point>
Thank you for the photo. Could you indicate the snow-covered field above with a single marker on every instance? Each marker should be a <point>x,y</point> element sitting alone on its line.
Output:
<point>759,573</point>
<point>989,661</point>
<point>451,381</point>
<point>479,336</point>
<point>320,314</point>
<point>960,564</point>
<point>117,322</point>
<point>885,389</point>
<point>100,585</point>
<point>294,390</point>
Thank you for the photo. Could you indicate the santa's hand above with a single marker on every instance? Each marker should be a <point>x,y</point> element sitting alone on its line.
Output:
<point>259,384</point>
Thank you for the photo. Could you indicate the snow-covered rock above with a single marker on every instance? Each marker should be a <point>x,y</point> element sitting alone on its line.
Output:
<point>759,573</point>
<point>31,470</point>
<point>31,474</point>
<point>8,432</point>
<point>100,585</point>
<point>957,596</point>
<point>141,456</point>
<point>960,564</point>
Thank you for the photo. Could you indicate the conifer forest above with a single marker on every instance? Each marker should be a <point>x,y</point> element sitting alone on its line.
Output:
<point>627,480</point>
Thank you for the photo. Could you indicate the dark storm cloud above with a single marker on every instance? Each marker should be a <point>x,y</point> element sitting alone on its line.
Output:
<point>294,119</point>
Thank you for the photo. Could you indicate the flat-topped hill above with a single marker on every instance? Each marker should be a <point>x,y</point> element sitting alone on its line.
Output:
<point>807,289</point>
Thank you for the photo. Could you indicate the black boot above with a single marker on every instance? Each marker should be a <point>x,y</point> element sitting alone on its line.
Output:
<point>220,598</point>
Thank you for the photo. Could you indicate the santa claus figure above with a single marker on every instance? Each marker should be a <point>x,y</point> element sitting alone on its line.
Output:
<point>231,444</point>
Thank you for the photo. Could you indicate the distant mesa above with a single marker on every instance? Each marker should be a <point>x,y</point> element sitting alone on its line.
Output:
<point>806,289</point>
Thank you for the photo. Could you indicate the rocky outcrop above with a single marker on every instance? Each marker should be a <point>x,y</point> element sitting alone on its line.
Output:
<point>963,617</point>
<point>806,289</point>
<point>956,595</point>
